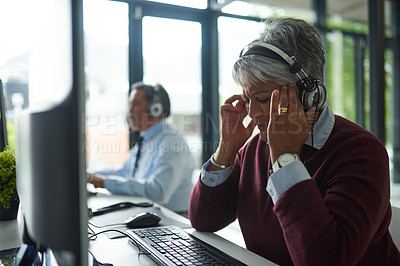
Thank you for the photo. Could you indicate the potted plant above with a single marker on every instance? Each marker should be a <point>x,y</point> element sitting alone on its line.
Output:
<point>9,200</point>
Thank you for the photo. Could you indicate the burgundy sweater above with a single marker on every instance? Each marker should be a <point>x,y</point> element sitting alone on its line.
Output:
<point>339,217</point>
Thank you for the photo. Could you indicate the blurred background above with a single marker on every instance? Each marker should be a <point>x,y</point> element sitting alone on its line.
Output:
<point>190,46</point>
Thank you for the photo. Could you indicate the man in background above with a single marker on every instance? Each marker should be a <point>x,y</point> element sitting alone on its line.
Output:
<point>159,167</point>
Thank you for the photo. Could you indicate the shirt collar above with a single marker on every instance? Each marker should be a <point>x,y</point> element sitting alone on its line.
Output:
<point>154,130</point>
<point>322,129</point>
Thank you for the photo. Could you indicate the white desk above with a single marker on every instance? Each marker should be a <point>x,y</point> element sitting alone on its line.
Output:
<point>121,252</point>
<point>11,233</point>
<point>10,236</point>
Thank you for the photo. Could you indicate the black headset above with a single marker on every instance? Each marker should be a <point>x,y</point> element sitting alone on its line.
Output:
<point>155,106</point>
<point>312,92</point>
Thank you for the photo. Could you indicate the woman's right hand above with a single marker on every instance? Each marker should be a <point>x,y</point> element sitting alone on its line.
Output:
<point>234,134</point>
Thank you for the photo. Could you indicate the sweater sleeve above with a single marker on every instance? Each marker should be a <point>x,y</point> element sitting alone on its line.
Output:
<point>336,228</point>
<point>213,208</point>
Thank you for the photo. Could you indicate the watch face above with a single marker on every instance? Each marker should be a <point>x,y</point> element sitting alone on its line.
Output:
<point>286,159</point>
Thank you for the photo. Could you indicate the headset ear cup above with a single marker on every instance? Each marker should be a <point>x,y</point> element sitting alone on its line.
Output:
<point>312,93</point>
<point>155,106</point>
<point>321,99</point>
<point>155,109</point>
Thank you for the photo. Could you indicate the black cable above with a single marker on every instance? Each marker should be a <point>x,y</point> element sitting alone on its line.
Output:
<point>107,225</point>
<point>92,232</point>
<point>118,231</point>
<point>98,262</point>
<point>312,129</point>
<point>140,251</point>
<point>312,141</point>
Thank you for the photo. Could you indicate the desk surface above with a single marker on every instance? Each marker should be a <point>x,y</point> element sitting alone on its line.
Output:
<point>120,252</point>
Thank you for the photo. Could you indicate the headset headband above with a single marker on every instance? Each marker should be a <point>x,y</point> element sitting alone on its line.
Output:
<point>271,51</point>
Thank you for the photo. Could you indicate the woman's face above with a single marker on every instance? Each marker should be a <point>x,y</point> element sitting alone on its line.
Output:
<point>258,99</point>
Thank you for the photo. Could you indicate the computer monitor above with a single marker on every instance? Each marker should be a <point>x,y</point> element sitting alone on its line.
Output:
<point>50,153</point>
<point>3,126</point>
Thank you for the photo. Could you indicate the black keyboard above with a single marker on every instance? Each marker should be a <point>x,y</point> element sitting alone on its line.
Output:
<point>170,245</point>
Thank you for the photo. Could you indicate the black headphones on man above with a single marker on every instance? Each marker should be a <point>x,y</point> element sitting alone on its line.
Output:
<point>312,92</point>
<point>155,106</point>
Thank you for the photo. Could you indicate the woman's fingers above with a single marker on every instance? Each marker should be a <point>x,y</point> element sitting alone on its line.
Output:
<point>273,110</point>
<point>233,98</point>
<point>232,109</point>
<point>294,102</point>
<point>283,100</point>
<point>238,108</point>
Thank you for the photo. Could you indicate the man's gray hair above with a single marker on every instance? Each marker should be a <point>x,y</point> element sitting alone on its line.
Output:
<point>295,37</point>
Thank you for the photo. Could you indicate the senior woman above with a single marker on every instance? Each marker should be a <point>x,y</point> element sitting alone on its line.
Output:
<point>312,188</point>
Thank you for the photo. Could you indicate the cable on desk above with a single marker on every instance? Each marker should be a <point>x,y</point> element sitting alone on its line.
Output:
<point>93,236</point>
<point>92,232</point>
<point>106,225</point>
<point>96,262</point>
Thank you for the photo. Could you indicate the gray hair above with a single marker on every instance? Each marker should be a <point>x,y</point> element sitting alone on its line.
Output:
<point>295,37</point>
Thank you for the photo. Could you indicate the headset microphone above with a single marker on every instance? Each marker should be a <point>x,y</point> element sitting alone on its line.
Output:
<point>312,92</point>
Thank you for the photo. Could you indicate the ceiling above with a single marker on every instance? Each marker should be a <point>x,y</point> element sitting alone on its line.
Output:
<point>356,10</point>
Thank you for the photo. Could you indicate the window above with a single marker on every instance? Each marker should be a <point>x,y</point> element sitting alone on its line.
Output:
<point>107,83</point>
<point>172,57</point>
<point>201,4</point>
<point>233,36</point>
<point>340,72</point>
<point>25,18</point>
<point>301,9</point>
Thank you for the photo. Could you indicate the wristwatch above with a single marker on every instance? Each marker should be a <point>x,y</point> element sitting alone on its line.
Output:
<point>284,160</point>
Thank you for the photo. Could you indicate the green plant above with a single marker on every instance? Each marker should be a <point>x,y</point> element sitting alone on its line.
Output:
<point>8,181</point>
<point>6,261</point>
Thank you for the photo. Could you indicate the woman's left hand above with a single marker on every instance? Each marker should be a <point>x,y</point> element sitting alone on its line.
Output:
<point>288,127</point>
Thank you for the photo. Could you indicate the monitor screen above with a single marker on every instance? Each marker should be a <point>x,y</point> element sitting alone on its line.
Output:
<point>3,126</point>
<point>50,153</point>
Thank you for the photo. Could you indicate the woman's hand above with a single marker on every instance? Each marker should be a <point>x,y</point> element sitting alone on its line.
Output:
<point>288,124</point>
<point>234,134</point>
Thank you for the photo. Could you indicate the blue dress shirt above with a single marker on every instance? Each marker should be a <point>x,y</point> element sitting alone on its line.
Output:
<point>164,172</point>
<point>289,175</point>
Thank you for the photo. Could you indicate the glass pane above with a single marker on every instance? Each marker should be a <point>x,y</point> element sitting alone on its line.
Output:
<point>21,22</point>
<point>233,36</point>
<point>106,68</point>
<point>173,58</point>
<point>389,101</point>
<point>353,17</point>
<point>354,21</point>
<point>201,4</point>
<point>340,74</point>
<point>302,9</point>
